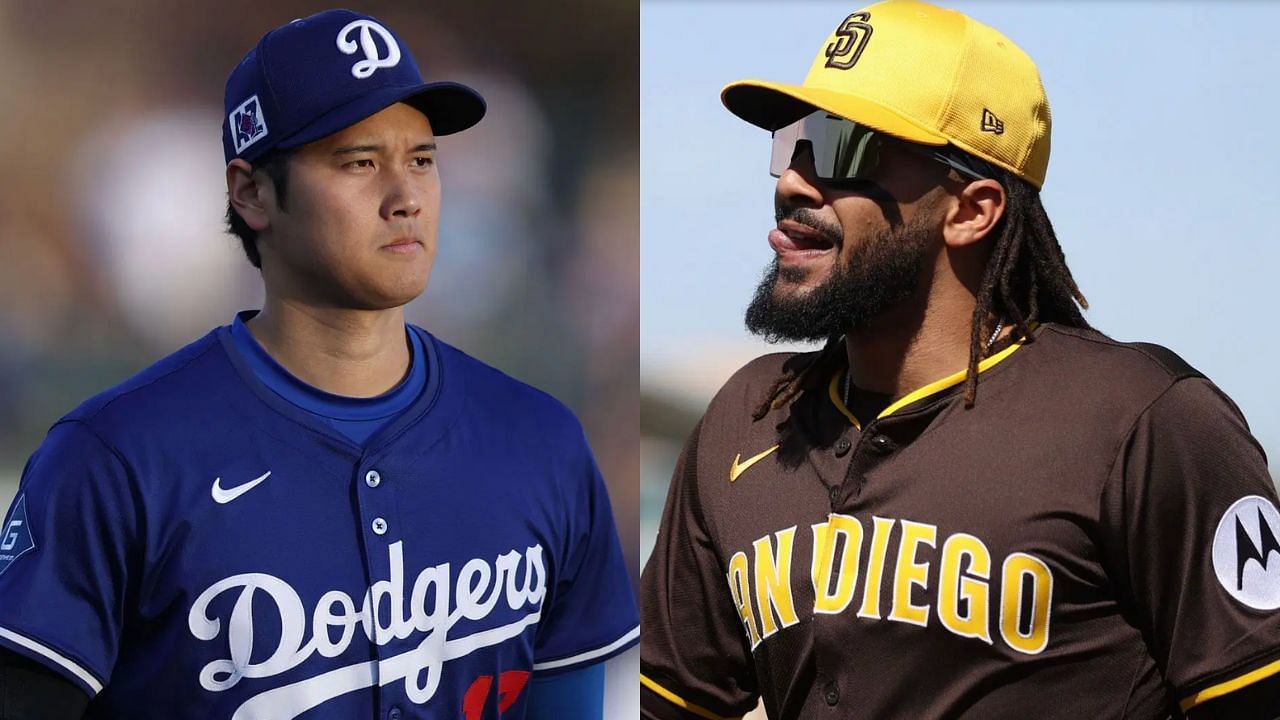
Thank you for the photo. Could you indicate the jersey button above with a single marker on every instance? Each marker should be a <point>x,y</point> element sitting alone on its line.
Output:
<point>372,478</point>
<point>881,445</point>
<point>834,494</point>
<point>832,694</point>
<point>379,526</point>
<point>394,714</point>
<point>842,446</point>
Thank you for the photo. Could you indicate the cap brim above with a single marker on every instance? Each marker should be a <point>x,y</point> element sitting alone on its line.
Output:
<point>773,105</point>
<point>450,107</point>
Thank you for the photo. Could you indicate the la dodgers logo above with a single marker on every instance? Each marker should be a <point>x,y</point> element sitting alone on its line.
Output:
<point>247,124</point>
<point>518,579</point>
<point>373,60</point>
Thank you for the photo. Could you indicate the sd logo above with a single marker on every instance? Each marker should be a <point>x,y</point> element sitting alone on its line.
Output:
<point>851,40</point>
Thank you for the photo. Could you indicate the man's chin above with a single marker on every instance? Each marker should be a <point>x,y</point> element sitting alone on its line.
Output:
<point>793,281</point>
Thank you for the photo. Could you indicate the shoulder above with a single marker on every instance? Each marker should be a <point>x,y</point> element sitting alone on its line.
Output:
<point>158,394</point>
<point>1087,367</point>
<point>493,397</point>
<point>746,389</point>
<point>737,422</point>
<point>1107,382</point>
<point>1092,349</point>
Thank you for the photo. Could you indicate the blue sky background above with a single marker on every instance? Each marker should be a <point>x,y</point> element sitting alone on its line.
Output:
<point>1162,183</point>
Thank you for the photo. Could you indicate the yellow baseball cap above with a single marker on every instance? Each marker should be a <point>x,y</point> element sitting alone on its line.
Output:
<point>921,73</point>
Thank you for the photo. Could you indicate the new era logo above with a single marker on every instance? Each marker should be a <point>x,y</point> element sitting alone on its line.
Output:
<point>991,123</point>
<point>247,124</point>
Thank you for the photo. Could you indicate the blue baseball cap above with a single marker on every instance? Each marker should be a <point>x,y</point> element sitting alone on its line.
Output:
<point>322,73</point>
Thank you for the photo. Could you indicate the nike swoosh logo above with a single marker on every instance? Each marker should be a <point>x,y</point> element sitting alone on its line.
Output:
<point>739,466</point>
<point>222,495</point>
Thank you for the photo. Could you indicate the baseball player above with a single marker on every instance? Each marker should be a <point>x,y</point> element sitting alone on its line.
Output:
<point>969,503</point>
<point>317,511</point>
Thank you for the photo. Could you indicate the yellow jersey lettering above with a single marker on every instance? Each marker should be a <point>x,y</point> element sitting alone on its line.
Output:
<point>881,528</point>
<point>740,588</point>
<point>1017,568</point>
<point>954,587</point>
<point>910,573</point>
<point>963,594</point>
<point>825,536</point>
<point>773,582</point>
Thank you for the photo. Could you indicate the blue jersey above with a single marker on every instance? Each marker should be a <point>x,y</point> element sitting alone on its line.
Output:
<point>190,544</point>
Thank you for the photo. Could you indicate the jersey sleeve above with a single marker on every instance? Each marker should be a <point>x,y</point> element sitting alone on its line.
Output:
<point>65,574</point>
<point>592,614</point>
<point>575,695</point>
<point>695,660</point>
<point>1190,534</point>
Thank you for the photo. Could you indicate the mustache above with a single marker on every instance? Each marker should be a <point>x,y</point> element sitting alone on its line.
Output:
<point>804,216</point>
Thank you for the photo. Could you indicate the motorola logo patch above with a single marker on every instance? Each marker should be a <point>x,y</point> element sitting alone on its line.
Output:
<point>1246,552</point>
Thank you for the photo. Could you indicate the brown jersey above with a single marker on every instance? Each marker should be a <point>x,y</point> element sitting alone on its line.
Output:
<point>1095,538</point>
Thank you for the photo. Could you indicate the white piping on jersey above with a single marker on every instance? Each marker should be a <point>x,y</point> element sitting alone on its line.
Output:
<point>474,592</point>
<point>590,654</point>
<point>84,675</point>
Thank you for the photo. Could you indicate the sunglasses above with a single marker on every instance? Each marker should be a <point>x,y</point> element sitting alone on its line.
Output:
<point>844,150</point>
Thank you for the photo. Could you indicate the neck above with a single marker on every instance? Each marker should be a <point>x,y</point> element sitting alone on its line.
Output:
<point>354,353</point>
<point>907,349</point>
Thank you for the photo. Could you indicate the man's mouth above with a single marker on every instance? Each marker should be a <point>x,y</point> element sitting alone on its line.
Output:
<point>801,242</point>
<point>403,245</point>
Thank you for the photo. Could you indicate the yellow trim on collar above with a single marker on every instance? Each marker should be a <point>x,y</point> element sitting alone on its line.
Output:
<point>1230,686</point>
<point>833,389</point>
<point>678,701</point>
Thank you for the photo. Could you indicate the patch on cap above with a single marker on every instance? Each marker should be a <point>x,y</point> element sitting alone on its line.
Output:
<point>247,123</point>
<point>16,538</point>
<point>1246,552</point>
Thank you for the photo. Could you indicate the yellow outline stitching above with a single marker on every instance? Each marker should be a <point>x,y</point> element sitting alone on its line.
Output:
<point>680,702</point>
<point>1230,686</point>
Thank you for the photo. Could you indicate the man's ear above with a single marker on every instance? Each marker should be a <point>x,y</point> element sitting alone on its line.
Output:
<point>977,209</point>
<point>249,194</point>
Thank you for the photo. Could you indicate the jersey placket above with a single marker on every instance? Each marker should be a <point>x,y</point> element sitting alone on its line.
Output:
<point>381,530</point>
<point>877,444</point>
<point>831,458</point>
<point>837,467</point>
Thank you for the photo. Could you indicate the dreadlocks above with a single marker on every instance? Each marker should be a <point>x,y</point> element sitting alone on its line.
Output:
<point>1026,281</point>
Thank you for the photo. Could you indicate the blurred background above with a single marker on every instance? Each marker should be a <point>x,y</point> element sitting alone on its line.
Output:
<point>1162,187</point>
<point>112,198</point>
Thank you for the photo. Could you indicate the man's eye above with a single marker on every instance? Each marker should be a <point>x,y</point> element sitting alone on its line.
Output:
<point>366,163</point>
<point>424,161</point>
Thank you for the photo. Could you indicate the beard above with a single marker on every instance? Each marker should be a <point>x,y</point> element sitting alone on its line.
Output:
<point>877,275</point>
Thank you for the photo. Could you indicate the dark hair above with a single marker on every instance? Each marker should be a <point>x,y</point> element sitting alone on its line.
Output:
<point>1026,281</point>
<point>276,165</point>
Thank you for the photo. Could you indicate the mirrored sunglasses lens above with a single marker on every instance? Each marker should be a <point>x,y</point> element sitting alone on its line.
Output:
<point>849,151</point>
<point>842,150</point>
<point>784,148</point>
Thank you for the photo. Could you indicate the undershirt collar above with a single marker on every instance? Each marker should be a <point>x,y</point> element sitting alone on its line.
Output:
<point>358,418</point>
